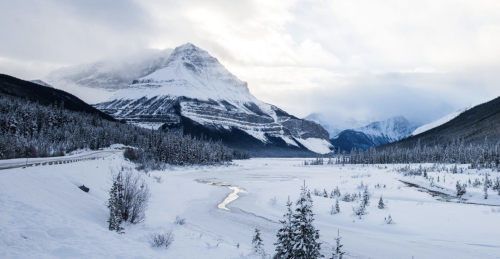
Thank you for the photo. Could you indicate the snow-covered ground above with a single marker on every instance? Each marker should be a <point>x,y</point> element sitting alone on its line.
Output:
<point>43,214</point>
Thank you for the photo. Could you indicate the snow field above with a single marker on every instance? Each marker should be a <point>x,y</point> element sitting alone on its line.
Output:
<point>44,215</point>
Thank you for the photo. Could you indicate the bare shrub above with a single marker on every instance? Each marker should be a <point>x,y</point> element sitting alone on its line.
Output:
<point>159,239</point>
<point>180,221</point>
<point>135,195</point>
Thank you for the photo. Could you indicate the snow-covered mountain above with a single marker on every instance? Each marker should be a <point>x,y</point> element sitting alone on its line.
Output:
<point>195,93</point>
<point>439,122</point>
<point>112,74</point>
<point>334,124</point>
<point>374,134</point>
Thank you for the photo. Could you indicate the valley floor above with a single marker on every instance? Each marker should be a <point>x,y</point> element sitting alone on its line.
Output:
<point>43,213</point>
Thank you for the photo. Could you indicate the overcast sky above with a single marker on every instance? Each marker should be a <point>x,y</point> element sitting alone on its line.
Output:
<point>362,59</point>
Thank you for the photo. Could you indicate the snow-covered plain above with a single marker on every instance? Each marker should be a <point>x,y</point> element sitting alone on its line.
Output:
<point>44,215</point>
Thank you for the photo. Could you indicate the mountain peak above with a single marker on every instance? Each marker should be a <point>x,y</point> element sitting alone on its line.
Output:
<point>192,72</point>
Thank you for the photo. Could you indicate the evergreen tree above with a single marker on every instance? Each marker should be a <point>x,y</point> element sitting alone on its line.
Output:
<point>305,236</point>
<point>115,204</point>
<point>485,188</point>
<point>337,191</point>
<point>337,252</point>
<point>257,242</point>
<point>460,189</point>
<point>337,207</point>
<point>366,197</point>
<point>284,245</point>
<point>381,204</point>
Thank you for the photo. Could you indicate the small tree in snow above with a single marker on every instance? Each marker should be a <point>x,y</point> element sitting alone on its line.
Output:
<point>460,189</point>
<point>335,209</point>
<point>389,220</point>
<point>337,191</point>
<point>381,204</point>
<point>337,252</point>
<point>485,188</point>
<point>325,194</point>
<point>366,197</point>
<point>257,242</point>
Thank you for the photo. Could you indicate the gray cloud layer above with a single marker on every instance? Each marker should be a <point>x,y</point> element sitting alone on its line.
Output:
<point>356,58</point>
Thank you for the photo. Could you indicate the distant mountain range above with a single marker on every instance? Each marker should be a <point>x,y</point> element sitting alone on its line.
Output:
<point>193,93</point>
<point>374,134</point>
<point>336,125</point>
<point>475,125</point>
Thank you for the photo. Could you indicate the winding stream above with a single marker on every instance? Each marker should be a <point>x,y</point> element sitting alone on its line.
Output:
<point>230,198</point>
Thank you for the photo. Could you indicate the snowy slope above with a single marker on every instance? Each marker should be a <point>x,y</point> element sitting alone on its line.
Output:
<point>45,215</point>
<point>439,122</point>
<point>196,86</point>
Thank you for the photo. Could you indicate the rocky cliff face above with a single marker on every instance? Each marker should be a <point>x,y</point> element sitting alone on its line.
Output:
<point>195,93</point>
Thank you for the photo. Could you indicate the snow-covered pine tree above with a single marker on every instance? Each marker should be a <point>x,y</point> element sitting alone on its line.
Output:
<point>460,189</point>
<point>381,204</point>
<point>325,193</point>
<point>332,195</point>
<point>305,236</point>
<point>284,245</point>
<point>337,252</point>
<point>257,242</point>
<point>485,188</point>
<point>337,191</point>
<point>389,220</point>
<point>337,207</point>
<point>115,204</point>
<point>366,196</point>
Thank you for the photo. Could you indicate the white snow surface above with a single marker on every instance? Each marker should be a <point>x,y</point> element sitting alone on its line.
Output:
<point>439,122</point>
<point>45,215</point>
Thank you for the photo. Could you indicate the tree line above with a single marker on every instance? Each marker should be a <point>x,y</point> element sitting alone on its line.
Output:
<point>486,155</point>
<point>29,129</point>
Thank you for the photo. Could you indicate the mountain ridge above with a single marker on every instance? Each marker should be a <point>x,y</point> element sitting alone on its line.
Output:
<point>374,134</point>
<point>193,86</point>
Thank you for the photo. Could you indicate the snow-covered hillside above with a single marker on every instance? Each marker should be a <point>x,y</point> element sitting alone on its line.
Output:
<point>439,122</point>
<point>194,85</point>
<point>45,215</point>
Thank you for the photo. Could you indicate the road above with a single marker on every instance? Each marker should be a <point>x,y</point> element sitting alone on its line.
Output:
<point>21,162</point>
